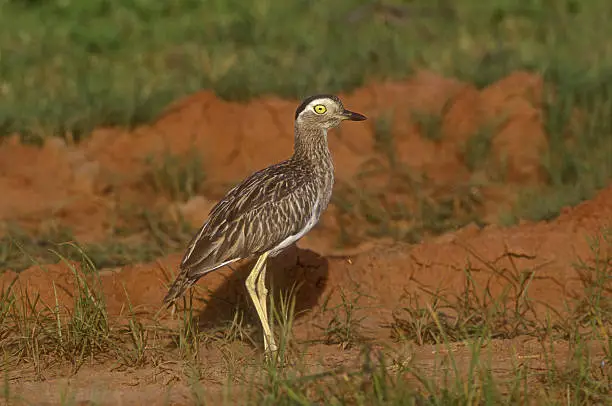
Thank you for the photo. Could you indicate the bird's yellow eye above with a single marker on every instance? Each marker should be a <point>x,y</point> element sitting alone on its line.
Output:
<point>320,109</point>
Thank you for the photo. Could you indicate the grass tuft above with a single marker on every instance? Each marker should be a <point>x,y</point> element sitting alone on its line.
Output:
<point>178,177</point>
<point>577,164</point>
<point>344,327</point>
<point>383,136</point>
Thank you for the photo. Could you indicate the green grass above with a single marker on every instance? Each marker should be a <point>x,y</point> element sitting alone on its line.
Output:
<point>109,62</point>
<point>178,177</point>
<point>383,137</point>
<point>577,163</point>
<point>147,236</point>
<point>404,206</point>
<point>430,125</point>
<point>344,327</point>
<point>478,147</point>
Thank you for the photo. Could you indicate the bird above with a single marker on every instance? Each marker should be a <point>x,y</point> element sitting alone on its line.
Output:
<point>269,210</point>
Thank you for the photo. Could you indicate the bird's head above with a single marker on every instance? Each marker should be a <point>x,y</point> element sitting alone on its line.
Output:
<point>324,111</point>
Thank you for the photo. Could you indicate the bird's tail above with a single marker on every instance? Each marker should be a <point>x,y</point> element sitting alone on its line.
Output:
<point>177,289</point>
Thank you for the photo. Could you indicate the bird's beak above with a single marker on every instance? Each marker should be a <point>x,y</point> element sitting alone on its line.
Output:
<point>351,115</point>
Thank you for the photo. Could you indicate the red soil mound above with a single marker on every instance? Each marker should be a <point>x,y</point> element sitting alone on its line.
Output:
<point>80,186</point>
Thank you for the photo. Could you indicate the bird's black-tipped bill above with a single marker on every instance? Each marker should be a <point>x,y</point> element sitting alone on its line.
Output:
<point>351,115</point>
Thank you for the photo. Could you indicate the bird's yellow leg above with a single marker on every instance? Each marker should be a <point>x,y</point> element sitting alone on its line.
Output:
<point>262,292</point>
<point>251,288</point>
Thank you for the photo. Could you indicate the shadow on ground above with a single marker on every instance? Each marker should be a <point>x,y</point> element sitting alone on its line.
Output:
<point>303,271</point>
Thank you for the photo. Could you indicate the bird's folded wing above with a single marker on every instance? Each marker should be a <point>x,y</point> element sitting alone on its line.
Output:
<point>253,217</point>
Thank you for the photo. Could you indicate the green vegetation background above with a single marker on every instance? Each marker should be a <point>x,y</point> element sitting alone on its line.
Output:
<point>71,65</point>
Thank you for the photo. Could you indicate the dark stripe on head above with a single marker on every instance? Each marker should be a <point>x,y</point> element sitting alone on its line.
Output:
<point>309,99</point>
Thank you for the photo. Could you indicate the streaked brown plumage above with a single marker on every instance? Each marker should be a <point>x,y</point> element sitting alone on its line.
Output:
<point>273,207</point>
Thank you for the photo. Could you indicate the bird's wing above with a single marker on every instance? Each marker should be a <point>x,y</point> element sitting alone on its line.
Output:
<point>253,217</point>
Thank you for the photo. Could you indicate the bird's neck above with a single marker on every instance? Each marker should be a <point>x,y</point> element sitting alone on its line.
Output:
<point>311,145</point>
